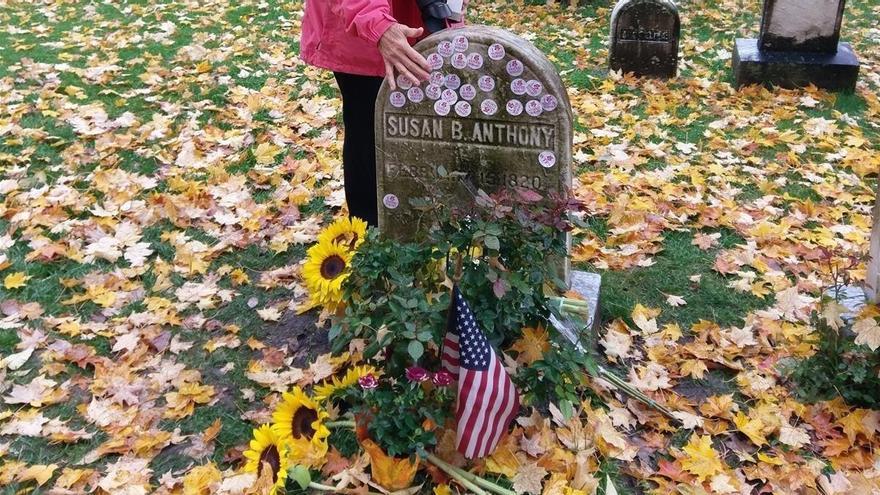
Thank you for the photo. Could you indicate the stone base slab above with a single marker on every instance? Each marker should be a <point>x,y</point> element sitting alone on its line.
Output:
<point>834,72</point>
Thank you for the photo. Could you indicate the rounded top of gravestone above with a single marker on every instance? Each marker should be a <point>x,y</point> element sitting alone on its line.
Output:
<point>627,4</point>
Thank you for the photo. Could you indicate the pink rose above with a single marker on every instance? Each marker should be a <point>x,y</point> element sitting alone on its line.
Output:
<point>442,378</point>
<point>368,382</point>
<point>417,374</point>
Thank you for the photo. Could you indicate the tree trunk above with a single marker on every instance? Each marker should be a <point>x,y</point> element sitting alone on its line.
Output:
<point>873,277</point>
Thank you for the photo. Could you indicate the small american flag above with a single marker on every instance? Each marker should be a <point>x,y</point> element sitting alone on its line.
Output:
<point>487,399</point>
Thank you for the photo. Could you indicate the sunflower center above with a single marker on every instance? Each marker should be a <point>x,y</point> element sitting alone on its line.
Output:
<point>332,267</point>
<point>301,424</point>
<point>270,456</point>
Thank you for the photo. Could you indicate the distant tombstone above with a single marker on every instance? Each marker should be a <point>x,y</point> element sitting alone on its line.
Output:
<point>644,37</point>
<point>799,45</point>
<point>493,115</point>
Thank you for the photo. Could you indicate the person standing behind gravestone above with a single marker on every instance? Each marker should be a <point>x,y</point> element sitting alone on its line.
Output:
<point>362,41</point>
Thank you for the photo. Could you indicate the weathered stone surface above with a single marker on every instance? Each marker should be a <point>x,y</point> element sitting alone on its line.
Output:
<point>835,72</point>
<point>801,25</point>
<point>495,114</point>
<point>872,278</point>
<point>645,37</point>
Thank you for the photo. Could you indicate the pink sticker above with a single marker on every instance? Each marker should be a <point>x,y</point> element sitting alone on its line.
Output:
<point>397,99</point>
<point>518,86</point>
<point>514,107</point>
<point>452,81</point>
<point>486,83</point>
<point>534,87</point>
<point>496,51</point>
<point>515,68</point>
<point>463,108</point>
<point>460,43</point>
<point>547,159</point>
<point>441,107</point>
<point>436,78</point>
<point>459,61</point>
<point>444,48</point>
<point>489,107</point>
<point>534,108</point>
<point>390,201</point>
<point>474,61</point>
<point>549,103</point>
<point>433,91</point>
<point>468,92</point>
<point>404,82</point>
<point>435,60</point>
<point>449,96</point>
<point>416,95</point>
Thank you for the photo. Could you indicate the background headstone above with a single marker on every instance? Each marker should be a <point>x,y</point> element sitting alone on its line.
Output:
<point>799,46</point>
<point>645,37</point>
<point>872,280</point>
<point>494,112</point>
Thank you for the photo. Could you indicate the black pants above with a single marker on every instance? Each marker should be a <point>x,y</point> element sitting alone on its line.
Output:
<point>359,148</point>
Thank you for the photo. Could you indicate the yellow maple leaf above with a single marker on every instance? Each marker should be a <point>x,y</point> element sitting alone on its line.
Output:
<point>532,345</point>
<point>41,473</point>
<point>751,427</point>
<point>15,280</point>
<point>265,153</point>
<point>201,480</point>
<point>702,460</point>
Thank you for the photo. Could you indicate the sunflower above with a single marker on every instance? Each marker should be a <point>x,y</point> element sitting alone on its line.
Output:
<point>325,270</point>
<point>347,231</point>
<point>299,421</point>
<point>267,447</point>
<point>328,388</point>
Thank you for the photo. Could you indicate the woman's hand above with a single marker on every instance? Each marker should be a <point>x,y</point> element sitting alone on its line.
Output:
<point>400,58</point>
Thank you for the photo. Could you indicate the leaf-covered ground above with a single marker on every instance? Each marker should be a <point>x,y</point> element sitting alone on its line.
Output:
<point>165,164</point>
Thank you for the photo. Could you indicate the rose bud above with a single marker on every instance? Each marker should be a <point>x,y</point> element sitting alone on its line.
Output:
<point>442,378</point>
<point>368,382</point>
<point>417,374</point>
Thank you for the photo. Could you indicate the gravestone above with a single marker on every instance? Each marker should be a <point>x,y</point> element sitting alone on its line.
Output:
<point>799,45</point>
<point>872,281</point>
<point>493,115</point>
<point>644,38</point>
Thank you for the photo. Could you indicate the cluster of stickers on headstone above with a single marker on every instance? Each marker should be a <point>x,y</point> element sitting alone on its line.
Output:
<point>458,86</point>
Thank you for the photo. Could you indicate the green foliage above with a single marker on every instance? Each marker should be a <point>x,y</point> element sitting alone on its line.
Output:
<point>559,377</point>
<point>839,367</point>
<point>400,414</point>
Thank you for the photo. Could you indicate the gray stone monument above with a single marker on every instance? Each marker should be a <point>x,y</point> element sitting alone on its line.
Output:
<point>799,45</point>
<point>644,38</point>
<point>494,114</point>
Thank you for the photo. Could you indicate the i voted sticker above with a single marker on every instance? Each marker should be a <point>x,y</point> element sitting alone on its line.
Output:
<point>514,107</point>
<point>515,68</point>
<point>534,87</point>
<point>463,108</point>
<point>415,94</point>
<point>397,99</point>
<point>518,86</point>
<point>486,83</point>
<point>474,61</point>
<point>452,81</point>
<point>547,159</point>
<point>449,96</point>
<point>549,103</point>
<point>404,82</point>
<point>435,60</point>
<point>441,107</point>
<point>534,108</point>
<point>433,91</point>
<point>445,49</point>
<point>489,107</point>
<point>460,43</point>
<point>390,201</point>
<point>459,60</point>
<point>436,78</point>
<point>468,92</point>
<point>496,51</point>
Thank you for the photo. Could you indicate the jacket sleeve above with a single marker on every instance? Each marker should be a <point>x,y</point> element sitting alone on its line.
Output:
<point>367,19</point>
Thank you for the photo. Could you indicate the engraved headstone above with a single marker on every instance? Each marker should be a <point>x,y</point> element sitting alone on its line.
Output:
<point>644,37</point>
<point>799,45</point>
<point>494,114</point>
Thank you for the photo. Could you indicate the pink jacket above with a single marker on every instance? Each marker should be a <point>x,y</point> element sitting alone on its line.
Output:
<point>342,35</point>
